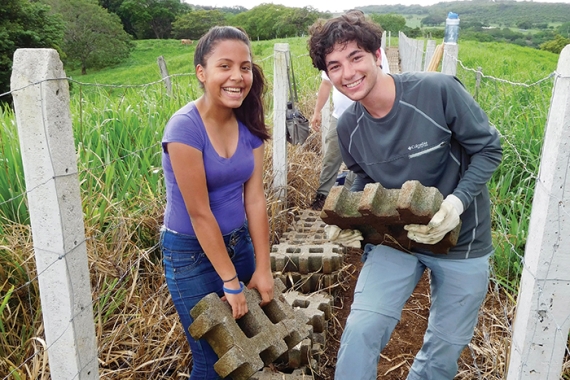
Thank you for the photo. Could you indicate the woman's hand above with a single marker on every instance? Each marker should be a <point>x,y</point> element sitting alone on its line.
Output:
<point>262,280</point>
<point>235,298</point>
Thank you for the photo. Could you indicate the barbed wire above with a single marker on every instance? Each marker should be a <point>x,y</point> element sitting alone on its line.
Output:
<point>480,72</point>
<point>70,79</point>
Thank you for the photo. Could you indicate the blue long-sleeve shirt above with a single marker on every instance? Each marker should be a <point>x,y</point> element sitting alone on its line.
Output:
<point>437,134</point>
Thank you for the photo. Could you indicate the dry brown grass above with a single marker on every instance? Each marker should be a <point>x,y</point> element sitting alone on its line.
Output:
<point>137,329</point>
<point>304,165</point>
<point>487,354</point>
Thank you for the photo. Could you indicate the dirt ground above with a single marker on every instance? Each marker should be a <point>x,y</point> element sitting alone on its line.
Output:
<point>397,356</point>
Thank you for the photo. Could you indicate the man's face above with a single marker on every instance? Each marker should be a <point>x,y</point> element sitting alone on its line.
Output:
<point>352,70</point>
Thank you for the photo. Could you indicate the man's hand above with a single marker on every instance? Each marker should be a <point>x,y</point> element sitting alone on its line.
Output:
<point>316,121</point>
<point>347,238</point>
<point>445,220</point>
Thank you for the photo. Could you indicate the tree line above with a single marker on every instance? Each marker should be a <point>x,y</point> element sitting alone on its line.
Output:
<point>91,34</point>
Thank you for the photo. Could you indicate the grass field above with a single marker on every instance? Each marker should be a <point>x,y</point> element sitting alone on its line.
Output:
<point>118,116</point>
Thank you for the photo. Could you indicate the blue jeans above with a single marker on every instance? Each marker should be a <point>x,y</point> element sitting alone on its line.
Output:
<point>386,281</point>
<point>190,276</point>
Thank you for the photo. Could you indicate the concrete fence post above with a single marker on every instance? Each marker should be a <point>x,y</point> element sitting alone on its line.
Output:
<point>430,50</point>
<point>418,46</point>
<point>164,74</point>
<point>541,325</point>
<point>280,90</point>
<point>403,50</point>
<point>41,103</point>
<point>449,63</point>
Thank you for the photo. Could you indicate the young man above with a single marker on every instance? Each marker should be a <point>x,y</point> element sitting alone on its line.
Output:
<point>332,160</point>
<point>412,126</point>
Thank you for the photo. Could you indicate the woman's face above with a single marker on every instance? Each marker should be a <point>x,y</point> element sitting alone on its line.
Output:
<point>227,76</point>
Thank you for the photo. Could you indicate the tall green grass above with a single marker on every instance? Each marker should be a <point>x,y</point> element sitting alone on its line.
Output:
<point>12,186</point>
<point>515,91</point>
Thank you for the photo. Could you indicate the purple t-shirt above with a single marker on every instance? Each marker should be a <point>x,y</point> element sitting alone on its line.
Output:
<point>225,177</point>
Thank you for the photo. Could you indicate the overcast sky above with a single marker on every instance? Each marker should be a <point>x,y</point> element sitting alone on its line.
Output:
<point>325,5</point>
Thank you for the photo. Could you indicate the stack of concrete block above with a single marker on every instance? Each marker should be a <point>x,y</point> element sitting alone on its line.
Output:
<point>381,214</point>
<point>261,336</point>
<point>304,355</point>
<point>307,268</point>
<point>318,309</point>
<point>305,260</point>
<point>308,228</point>
<point>269,374</point>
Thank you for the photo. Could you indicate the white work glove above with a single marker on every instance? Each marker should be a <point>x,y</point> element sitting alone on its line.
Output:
<point>347,238</point>
<point>445,220</point>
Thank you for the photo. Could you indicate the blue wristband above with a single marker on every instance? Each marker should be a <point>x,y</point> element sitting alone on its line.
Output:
<point>234,291</point>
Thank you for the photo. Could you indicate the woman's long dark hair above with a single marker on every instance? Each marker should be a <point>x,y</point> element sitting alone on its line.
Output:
<point>251,111</point>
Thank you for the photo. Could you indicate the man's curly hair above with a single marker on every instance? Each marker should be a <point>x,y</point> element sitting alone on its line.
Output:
<point>352,26</point>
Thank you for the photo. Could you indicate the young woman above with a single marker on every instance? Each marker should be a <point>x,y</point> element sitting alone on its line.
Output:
<point>215,236</point>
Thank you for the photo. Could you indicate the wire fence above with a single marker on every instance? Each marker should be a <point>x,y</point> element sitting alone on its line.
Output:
<point>117,131</point>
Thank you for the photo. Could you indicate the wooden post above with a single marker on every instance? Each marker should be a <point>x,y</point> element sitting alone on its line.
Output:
<point>541,325</point>
<point>280,88</point>
<point>41,103</point>
<point>164,74</point>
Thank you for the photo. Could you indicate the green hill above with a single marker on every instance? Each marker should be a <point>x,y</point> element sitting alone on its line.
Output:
<point>502,13</point>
